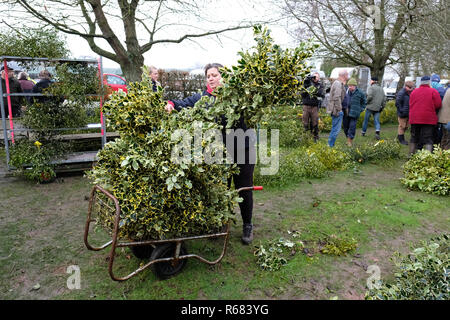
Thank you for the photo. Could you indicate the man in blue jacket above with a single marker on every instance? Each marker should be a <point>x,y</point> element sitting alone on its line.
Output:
<point>402,104</point>
<point>356,104</point>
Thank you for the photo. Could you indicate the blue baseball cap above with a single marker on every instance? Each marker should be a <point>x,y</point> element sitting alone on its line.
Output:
<point>435,78</point>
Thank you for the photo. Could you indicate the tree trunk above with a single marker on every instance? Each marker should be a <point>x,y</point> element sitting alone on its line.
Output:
<point>404,71</point>
<point>377,70</point>
<point>132,68</point>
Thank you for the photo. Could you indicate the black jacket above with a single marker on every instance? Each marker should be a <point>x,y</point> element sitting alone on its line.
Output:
<point>16,102</point>
<point>313,100</point>
<point>402,103</point>
<point>39,88</point>
<point>192,100</point>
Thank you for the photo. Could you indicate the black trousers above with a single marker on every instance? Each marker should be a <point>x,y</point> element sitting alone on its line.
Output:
<point>422,134</point>
<point>244,179</point>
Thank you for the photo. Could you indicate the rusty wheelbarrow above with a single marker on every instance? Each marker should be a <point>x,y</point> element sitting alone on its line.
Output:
<point>166,257</point>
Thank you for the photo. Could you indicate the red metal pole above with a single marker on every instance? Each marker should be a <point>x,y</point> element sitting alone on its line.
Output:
<point>8,98</point>
<point>101,97</point>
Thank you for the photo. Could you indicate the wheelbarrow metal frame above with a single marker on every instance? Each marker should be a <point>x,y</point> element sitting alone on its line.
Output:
<point>115,243</point>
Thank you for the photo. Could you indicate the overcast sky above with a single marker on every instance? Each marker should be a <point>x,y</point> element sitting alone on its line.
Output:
<point>188,54</point>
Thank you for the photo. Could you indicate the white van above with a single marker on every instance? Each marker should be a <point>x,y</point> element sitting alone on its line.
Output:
<point>360,73</point>
<point>390,90</point>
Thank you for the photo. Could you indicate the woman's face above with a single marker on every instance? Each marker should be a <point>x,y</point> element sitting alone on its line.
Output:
<point>213,78</point>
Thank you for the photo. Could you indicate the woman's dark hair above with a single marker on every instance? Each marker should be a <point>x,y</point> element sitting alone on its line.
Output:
<point>213,65</point>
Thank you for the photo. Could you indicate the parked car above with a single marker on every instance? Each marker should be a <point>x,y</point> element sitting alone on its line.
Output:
<point>390,89</point>
<point>115,82</point>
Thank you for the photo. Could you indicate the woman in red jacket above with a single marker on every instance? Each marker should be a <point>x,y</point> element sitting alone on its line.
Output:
<point>423,105</point>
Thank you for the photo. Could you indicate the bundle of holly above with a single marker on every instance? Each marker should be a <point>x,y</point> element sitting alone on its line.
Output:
<point>428,172</point>
<point>162,190</point>
<point>266,78</point>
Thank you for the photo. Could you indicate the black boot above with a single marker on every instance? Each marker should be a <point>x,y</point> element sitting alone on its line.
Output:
<point>428,147</point>
<point>412,148</point>
<point>377,135</point>
<point>401,139</point>
<point>247,233</point>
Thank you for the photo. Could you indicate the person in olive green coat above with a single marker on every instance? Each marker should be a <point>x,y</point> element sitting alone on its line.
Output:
<point>376,100</point>
<point>356,105</point>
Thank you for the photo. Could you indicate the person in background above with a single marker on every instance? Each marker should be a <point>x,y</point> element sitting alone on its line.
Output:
<point>376,100</point>
<point>444,120</point>
<point>154,74</point>
<point>334,107</point>
<point>246,169</point>
<point>14,87</point>
<point>43,83</point>
<point>27,85</point>
<point>423,105</point>
<point>435,84</point>
<point>311,102</point>
<point>356,105</point>
<point>402,105</point>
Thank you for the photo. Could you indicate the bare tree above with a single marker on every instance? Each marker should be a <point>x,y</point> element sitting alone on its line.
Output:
<point>123,30</point>
<point>360,32</point>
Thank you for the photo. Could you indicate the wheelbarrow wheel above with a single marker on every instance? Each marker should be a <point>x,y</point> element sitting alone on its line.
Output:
<point>164,270</point>
<point>142,252</point>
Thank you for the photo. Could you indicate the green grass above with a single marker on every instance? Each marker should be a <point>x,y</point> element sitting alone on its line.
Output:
<point>41,234</point>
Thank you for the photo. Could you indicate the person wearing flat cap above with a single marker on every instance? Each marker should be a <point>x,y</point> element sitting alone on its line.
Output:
<point>376,101</point>
<point>423,105</point>
<point>14,87</point>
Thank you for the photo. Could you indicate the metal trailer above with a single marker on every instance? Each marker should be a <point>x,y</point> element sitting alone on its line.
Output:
<point>73,161</point>
<point>166,257</point>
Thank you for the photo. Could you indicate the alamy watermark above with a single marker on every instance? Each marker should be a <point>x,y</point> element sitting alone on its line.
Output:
<point>74,281</point>
<point>374,13</point>
<point>214,146</point>
<point>374,281</point>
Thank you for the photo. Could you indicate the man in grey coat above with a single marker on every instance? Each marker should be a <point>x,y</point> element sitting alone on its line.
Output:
<point>376,101</point>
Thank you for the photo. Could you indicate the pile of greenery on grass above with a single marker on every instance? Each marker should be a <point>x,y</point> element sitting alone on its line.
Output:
<point>421,275</point>
<point>314,160</point>
<point>428,172</point>
<point>379,151</point>
<point>318,160</point>
<point>273,254</point>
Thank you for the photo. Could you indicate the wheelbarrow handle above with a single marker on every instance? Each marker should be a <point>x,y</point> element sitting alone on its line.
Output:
<point>250,188</point>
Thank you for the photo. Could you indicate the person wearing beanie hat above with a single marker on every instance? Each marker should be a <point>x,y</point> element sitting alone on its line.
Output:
<point>376,101</point>
<point>352,82</point>
<point>435,84</point>
<point>14,87</point>
<point>423,105</point>
<point>356,105</point>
